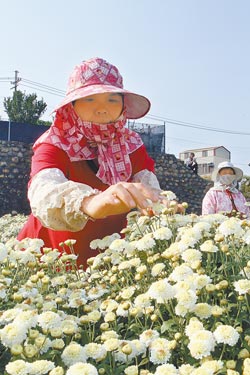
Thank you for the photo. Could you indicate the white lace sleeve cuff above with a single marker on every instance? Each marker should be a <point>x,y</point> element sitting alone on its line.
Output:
<point>147,178</point>
<point>56,201</point>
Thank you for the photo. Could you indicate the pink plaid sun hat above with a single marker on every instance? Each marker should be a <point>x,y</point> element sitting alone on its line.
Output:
<point>97,76</point>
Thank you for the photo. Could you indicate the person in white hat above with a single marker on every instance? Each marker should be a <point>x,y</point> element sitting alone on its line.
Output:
<point>88,170</point>
<point>224,197</point>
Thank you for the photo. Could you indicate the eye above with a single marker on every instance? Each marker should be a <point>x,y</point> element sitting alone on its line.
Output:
<point>87,99</point>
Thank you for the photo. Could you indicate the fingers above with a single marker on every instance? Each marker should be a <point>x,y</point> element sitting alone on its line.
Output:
<point>135,194</point>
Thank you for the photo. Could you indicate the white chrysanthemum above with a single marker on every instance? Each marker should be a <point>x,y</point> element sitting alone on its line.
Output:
<point>77,298</point>
<point>148,336</point>
<point>50,257</point>
<point>127,293</point>
<point>181,273</point>
<point>18,367</point>
<point>181,310</point>
<point>40,367</point>
<point>121,311</point>
<point>95,351</point>
<point>232,226</point>
<point>191,255</point>
<point>213,365</point>
<point>186,370</point>
<point>202,310</point>
<point>26,256</point>
<point>135,262</point>
<point>94,316</point>
<point>82,368</point>
<point>110,317</point>
<point>49,319</point>
<point>96,292</point>
<point>59,280</point>
<point>161,291</point>
<point>226,334</point>
<point>131,370</point>
<point>109,305</point>
<point>202,227</point>
<point>119,245</point>
<point>171,251</point>
<point>166,369</point>
<point>199,281</point>
<point>209,247</point>
<point>201,344</point>
<point>246,366</point>
<point>13,334</point>
<point>162,233</point>
<point>73,353</point>
<point>57,371</point>
<point>111,344</point>
<point>125,265</point>
<point>186,298</point>
<point>27,318</point>
<point>242,286</point>
<point>157,269</point>
<point>169,195</point>
<point>9,315</point>
<point>159,351</point>
<point>193,326</point>
<point>3,252</point>
<point>142,300</point>
<point>246,237</point>
<point>146,242</point>
<point>107,335</point>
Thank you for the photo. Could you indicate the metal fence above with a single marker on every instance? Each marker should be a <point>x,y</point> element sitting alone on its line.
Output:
<point>20,132</point>
<point>153,135</point>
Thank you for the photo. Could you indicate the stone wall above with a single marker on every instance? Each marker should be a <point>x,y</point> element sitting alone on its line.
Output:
<point>15,160</point>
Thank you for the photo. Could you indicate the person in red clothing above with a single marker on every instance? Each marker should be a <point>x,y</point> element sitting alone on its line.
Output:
<point>88,170</point>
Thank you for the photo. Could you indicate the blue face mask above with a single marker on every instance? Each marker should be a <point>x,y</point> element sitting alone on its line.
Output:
<point>227,179</point>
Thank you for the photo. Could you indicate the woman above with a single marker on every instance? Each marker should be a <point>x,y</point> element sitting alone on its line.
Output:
<point>224,195</point>
<point>88,170</point>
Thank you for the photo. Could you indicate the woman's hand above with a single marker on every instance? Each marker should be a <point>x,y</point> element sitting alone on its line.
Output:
<point>119,198</point>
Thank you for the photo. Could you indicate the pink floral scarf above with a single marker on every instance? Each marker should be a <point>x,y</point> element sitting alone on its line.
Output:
<point>110,143</point>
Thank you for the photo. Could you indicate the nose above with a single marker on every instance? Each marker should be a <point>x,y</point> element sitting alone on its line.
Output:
<point>101,110</point>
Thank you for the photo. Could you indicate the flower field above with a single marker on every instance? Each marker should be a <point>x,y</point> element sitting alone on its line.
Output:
<point>171,297</point>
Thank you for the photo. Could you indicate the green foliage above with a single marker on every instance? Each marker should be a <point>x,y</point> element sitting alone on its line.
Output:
<point>245,187</point>
<point>24,108</point>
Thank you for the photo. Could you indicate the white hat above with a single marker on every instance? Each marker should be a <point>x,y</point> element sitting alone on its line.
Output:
<point>227,164</point>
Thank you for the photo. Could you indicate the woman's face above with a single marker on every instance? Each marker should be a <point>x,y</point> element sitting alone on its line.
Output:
<point>99,108</point>
<point>224,171</point>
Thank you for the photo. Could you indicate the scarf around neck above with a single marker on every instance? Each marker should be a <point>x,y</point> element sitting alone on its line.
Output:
<point>219,186</point>
<point>110,143</point>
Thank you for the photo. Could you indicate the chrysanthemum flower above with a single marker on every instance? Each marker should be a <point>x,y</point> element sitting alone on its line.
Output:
<point>18,367</point>
<point>73,353</point>
<point>202,310</point>
<point>201,344</point>
<point>226,334</point>
<point>161,291</point>
<point>209,247</point>
<point>166,369</point>
<point>82,368</point>
<point>40,367</point>
<point>148,336</point>
<point>163,233</point>
<point>13,334</point>
<point>232,226</point>
<point>242,286</point>
<point>159,351</point>
<point>95,351</point>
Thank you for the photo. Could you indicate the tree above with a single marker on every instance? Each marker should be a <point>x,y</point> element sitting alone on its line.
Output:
<point>24,108</point>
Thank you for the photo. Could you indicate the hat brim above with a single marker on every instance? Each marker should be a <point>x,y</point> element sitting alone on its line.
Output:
<point>136,105</point>
<point>238,173</point>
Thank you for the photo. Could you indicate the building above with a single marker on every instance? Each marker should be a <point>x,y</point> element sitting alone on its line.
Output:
<point>207,158</point>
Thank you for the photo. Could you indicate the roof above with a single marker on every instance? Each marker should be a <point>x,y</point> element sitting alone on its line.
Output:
<point>204,148</point>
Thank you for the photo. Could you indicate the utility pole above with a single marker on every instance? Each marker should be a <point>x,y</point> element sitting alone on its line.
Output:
<point>17,79</point>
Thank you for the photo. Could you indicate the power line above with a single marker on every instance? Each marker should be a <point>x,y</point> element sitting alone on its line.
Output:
<point>193,125</point>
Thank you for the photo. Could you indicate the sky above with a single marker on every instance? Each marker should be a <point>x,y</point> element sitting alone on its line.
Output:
<point>191,58</point>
